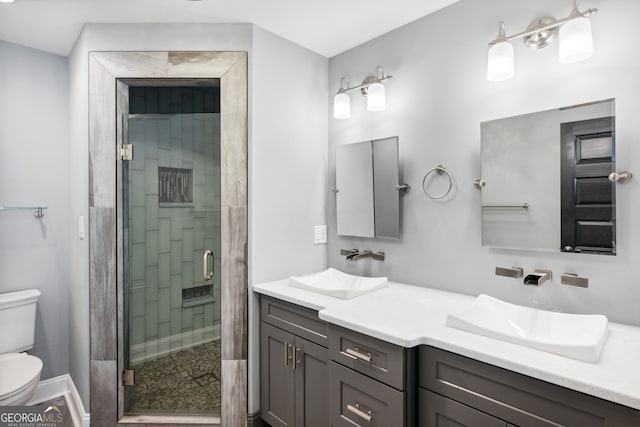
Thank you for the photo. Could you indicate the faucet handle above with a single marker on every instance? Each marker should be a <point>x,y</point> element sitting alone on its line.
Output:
<point>515,272</point>
<point>574,280</point>
<point>348,251</point>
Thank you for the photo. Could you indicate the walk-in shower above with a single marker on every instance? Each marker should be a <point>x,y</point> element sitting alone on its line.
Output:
<point>171,226</point>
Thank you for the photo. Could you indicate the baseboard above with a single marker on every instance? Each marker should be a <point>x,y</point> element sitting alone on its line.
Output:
<point>50,389</point>
<point>254,420</point>
<point>150,350</point>
<point>79,416</point>
<point>62,386</point>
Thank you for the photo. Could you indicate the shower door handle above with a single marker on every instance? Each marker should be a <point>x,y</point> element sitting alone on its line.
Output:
<point>206,273</point>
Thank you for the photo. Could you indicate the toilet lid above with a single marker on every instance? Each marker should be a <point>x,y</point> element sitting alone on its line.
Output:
<point>17,370</point>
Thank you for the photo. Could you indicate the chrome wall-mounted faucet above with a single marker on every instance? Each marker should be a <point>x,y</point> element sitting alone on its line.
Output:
<point>538,277</point>
<point>356,254</point>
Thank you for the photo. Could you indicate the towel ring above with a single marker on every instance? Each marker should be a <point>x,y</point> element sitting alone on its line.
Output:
<point>439,170</point>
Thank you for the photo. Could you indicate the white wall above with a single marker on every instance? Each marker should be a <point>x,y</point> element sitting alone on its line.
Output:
<point>287,168</point>
<point>436,102</point>
<point>33,171</point>
<point>78,261</point>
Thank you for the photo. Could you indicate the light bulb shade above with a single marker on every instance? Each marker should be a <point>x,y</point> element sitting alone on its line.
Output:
<point>576,41</point>
<point>500,64</point>
<point>376,100</point>
<point>341,106</point>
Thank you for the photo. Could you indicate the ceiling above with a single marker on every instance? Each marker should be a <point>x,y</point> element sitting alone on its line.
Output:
<point>327,27</point>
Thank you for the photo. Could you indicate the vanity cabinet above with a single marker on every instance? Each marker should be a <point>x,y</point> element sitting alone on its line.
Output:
<point>318,374</point>
<point>456,390</point>
<point>293,363</point>
<point>371,382</point>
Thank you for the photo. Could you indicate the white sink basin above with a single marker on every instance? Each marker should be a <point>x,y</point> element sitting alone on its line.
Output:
<point>338,284</point>
<point>579,336</point>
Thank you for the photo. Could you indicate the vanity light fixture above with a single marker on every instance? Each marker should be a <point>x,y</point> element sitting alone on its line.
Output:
<point>576,42</point>
<point>371,87</point>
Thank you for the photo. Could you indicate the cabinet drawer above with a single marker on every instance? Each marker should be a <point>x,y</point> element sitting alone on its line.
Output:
<point>439,411</point>
<point>300,321</point>
<point>358,400</point>
<point>373,357</point>
<point>516,398</point>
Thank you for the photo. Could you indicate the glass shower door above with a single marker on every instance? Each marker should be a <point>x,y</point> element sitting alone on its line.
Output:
<point>171,214</point>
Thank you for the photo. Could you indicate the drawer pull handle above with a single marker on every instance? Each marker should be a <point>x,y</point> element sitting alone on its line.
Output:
<point>296,354</point>
<point>287,354</point>
<point>356,353</point>
<point>356,410</point>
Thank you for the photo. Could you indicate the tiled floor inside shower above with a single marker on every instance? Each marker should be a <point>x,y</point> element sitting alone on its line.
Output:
<point>184,382</point>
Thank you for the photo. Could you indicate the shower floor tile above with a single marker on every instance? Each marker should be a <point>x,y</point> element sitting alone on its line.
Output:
<point>184,382</point>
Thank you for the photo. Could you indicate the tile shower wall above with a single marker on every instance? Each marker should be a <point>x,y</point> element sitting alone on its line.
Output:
<point>167,241</point>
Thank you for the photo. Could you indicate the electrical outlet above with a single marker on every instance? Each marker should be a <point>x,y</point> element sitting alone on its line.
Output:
<point>319,234</point>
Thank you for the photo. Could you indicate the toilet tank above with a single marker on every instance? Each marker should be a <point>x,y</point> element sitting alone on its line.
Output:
<point>18,320</point>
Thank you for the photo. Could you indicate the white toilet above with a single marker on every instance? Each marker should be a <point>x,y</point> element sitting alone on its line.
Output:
<point>19,372</point>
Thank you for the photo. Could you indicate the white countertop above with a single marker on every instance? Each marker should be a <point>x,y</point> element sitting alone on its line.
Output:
<point>408,316</point>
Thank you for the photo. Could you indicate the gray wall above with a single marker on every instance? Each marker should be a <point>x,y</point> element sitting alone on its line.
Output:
<point>435,104</point>
<point>287,168</point>
<point>33,171</point>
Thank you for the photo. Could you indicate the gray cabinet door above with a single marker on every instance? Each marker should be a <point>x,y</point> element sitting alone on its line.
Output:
<point>277,386</point>
<point>516,398</point>
<point>311,384</point>
<point>438,411</point>
<point>356,400</point>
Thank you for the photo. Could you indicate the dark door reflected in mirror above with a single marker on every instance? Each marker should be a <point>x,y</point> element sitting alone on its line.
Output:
<point>546,178</point>
<point>588,203</point>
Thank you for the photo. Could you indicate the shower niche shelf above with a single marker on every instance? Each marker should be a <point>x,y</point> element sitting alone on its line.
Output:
<point>198,295</point>
<point>38,211</point>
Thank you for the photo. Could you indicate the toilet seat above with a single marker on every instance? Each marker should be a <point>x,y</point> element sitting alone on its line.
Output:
<point>19,376</point>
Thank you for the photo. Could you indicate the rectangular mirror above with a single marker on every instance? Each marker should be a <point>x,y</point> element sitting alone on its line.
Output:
<point>367,200</point>
<point>545,178</point>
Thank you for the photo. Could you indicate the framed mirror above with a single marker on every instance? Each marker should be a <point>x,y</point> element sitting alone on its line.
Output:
<point>367,198</point>
<point>545,178</point>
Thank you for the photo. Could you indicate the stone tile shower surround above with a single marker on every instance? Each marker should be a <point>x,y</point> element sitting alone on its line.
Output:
<point>108,72</point>
<point>167,240</point>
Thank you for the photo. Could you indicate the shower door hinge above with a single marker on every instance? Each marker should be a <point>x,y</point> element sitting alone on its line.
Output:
<point>126,152</point>
<point>128,377</point>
